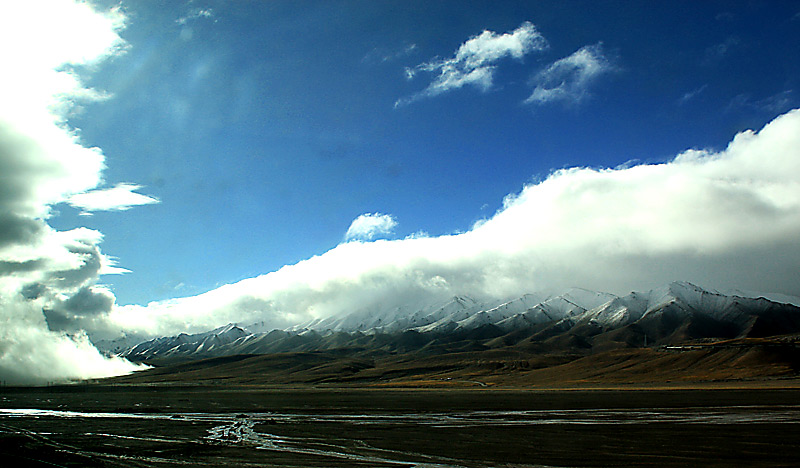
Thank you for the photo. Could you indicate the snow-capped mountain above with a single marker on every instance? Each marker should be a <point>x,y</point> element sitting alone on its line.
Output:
<point>675,312</point>
<point>394,319</point>
<point>200,344</point>
<point>679,298</point>
<point>571,304</point>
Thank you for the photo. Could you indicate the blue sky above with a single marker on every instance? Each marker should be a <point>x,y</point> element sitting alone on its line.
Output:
<point>171,167</point>
<point>266,128</point>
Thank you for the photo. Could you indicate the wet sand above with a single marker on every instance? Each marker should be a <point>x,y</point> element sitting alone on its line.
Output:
<point>108,426</point>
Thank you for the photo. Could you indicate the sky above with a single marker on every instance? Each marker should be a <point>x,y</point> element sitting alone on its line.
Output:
<point>176,166</point>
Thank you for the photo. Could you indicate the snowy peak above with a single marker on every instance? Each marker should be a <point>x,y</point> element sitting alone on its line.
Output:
<point>184,344</point>
<point>584,298</point>
<point>679,299</point>
<point>229,331</point>
<point>572,303</point>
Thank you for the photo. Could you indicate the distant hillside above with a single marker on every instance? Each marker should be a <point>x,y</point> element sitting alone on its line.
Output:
<point>732,362</point>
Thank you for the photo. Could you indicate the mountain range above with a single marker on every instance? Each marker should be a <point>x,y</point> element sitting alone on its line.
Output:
<point>575,321</point>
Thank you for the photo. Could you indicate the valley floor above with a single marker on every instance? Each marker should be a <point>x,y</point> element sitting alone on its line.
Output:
<point>137,426</point>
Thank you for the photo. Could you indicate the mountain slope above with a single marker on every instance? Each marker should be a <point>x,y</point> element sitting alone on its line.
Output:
<point>740,362</point>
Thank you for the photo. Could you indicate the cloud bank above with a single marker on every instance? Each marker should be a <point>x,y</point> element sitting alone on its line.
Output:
<point>724,219</point>
<point>47,275</point>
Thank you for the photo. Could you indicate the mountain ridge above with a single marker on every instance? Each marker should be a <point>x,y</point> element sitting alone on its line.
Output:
<point>575,320</point>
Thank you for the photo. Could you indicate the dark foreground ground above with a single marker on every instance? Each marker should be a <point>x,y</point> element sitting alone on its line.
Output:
<point>217,426</point>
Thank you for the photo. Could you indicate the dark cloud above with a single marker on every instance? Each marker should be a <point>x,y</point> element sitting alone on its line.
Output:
<point>33,291</point>
<point>16,229</point>
<point>90,301</point>
<point>10,268</point>
<point>79,311</point>
<point>90,263</point>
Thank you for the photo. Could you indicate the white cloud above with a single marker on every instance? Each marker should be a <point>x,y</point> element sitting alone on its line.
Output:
<point>44,45</point>
<point>196,13</point>
<point>83,35</point>
<point>119,198</point>
<point>569,78</point>
<point>32,354</point>
<point>728,219</point>
<point>474,61</point>
<point>369,225</point>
